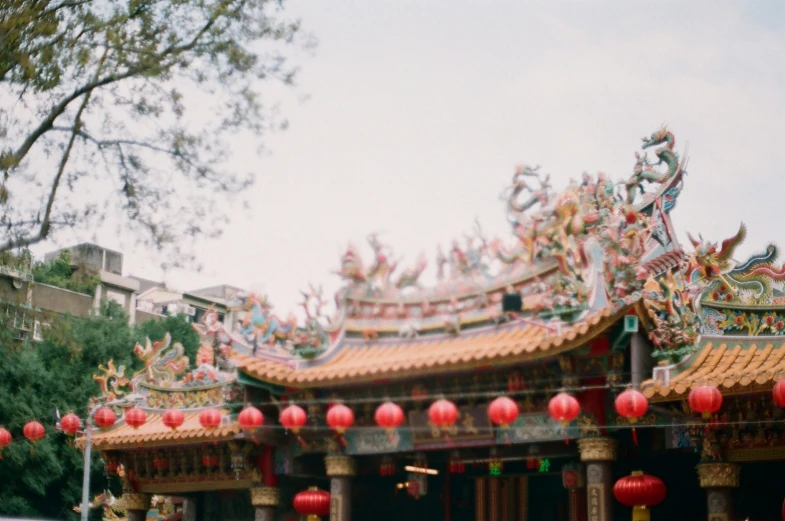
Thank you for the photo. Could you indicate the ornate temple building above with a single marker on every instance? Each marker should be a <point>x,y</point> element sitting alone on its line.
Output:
<point>532,380</point>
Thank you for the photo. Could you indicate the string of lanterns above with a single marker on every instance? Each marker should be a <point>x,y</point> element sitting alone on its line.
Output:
<point>503,411</point>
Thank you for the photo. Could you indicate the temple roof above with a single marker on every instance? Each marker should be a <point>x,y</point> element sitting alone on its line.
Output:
<point>122,435</point>
<point>734,365</point>
<point>370,361</point>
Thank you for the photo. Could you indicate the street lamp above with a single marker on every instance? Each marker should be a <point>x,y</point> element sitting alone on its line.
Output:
<point>88,446</point>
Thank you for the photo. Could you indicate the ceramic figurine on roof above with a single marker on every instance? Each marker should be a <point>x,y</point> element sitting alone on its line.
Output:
<point>163,362</point>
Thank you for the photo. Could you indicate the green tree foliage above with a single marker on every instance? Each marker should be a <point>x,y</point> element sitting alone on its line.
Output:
<point>61,273</point>
<point>128,108</point>
<point>36,378</point>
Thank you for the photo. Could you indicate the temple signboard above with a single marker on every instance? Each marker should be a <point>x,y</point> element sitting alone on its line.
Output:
<point>535,428</point>
<point>378,441</point>
<point>472,429</point>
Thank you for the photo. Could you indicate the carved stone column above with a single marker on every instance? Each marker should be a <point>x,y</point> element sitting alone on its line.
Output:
<point>189,509</point>
<point>264,500</point>
<point>597,454</point>
<point>340,469</point>
<point>718,479</point>
<point>135,504</point>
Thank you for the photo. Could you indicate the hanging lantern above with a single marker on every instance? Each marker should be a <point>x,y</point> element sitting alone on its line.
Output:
<point>135,417</point>
<point>5,440</point>
<point>515,382</point>
<point>705,400</point>
<point>564,408</point>
<point>778,393</point>
<point>631,404</point>
<point>503,411</point>
<point>640,491</point>
<point>34,431</point>
<point>340,418</point>
<point>292,418</point>
<point>210,418</point>
<point>105,417</point>
<point>442,413</point>
<point>312,503</point>
<point>389,416</point>
<point>173,418</point>
<point>250,418</point>
<point>70,424</point>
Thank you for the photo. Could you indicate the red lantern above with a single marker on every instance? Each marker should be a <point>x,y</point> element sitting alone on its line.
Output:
<point>173,418</point>
<point>312,503</point>
<point>631,404</point>
<point>706,400</point>
<point>70,423</point>
<point>640,491</point>
<point>389,416</point>
<point>340,418</point>
<point>105,417</point>
<point>135,417</point>
<point>250,418</point>
<point>34,431</point>
<point>564,408</point>
<point>5,440</point>
<point>442,413</point>
<point>210,418</point>
<point>292,418</point>
<point>778,393</point>
<point>503,411</point>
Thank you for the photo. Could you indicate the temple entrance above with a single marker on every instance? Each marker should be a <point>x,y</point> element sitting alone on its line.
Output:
<point>548,499</point>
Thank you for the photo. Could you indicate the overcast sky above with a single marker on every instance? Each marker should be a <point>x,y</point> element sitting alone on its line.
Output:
<point>410,117</point>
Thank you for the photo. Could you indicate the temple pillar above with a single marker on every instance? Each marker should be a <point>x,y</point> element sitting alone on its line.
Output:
<point>493,499</point>
<point>189,509</point>
<point>598,454</point>
<point>136,504</point>
<point>480,499</point>
<point>522,484</point>
<point>340,470</point>
<point>264,500</point>
<point>718,479</point>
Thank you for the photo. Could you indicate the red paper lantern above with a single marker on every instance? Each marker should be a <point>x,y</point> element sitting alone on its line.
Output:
<point>503,411</point>
<point>564,408</point>
<point>135,417</point>
<point>70,423</point>
<point>250,418</point>
<point>173,418</point>
<point>293,417</point>
<point>5,440</point>
<point>778,393</point>
<point>34,431</point>
<point>340,418</point>
<point>706,400</point>
<point>389,416</point>
<point>105,417</point>
<point>442,413</point>
<point>631,404</point>
<point>640,491</point>
<point>312,503</point>
<point>210,418</point>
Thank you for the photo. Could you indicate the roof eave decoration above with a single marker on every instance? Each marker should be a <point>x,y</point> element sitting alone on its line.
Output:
<point>732,364</point>
<point>404,359</point>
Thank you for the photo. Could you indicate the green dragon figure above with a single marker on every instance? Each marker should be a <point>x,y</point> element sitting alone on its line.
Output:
<point>645,171</point>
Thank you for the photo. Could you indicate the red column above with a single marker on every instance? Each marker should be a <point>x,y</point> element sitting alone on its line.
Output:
<point>267,467</point>
<point>593,401</point>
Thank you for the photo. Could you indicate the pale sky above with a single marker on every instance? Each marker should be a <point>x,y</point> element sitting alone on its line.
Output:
<point>410,117</point>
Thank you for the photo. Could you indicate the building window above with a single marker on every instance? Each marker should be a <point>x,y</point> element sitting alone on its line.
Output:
<point>116,296</point>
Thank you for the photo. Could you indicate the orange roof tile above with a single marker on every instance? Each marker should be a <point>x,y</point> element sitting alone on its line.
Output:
<point>733,365</point>
<point>123,435</point>
<point>401,358</point>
